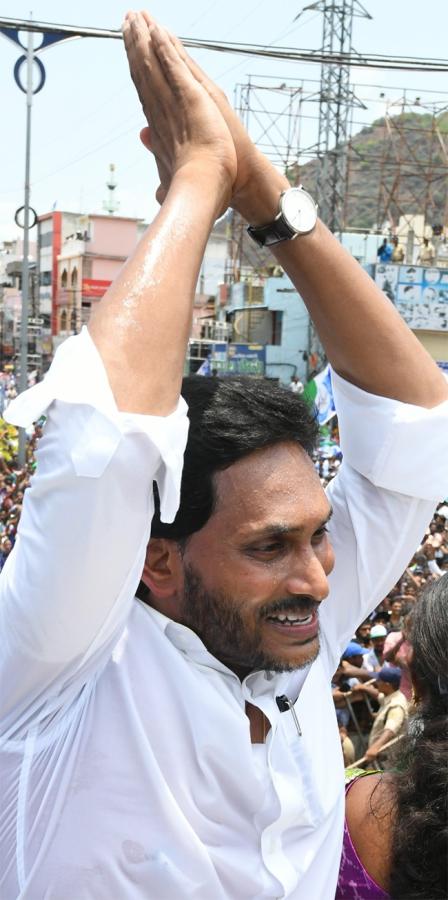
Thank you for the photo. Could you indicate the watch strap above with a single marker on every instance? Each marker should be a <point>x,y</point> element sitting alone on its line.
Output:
<point>272,233</point>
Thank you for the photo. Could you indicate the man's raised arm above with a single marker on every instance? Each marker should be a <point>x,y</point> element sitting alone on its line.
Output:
<point>365,339</point>
<point>68,585</point>
<point>142,325</point>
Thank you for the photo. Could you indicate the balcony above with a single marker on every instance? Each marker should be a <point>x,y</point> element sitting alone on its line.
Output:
<point>215,331</point>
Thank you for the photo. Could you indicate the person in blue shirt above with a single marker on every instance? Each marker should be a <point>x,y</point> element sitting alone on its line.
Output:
<point>384,251</point>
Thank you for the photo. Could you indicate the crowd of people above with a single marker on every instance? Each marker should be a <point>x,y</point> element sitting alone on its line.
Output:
<point>372,688</point>
<point>14,481</point>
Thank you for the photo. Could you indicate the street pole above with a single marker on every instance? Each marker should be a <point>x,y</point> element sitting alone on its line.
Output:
<point>10,30</point>
<point>23,383</point>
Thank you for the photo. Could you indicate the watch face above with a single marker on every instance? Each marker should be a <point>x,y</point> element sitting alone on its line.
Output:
<point>299,210</point>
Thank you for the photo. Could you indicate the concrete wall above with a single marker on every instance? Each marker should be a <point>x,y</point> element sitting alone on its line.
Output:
<point>112,236</point>
<point>213,266</point>
<point>286,360</point>
<point>105,269</point>
<point>435,343</point>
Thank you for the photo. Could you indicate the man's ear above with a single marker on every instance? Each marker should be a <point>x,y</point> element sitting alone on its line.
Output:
<point>163,572</point>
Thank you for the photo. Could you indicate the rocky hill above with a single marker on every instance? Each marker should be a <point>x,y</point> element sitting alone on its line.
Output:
<point>396,166</point>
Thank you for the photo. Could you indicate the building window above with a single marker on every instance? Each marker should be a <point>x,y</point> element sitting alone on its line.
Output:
<point>277,318</point>
<point>64,277</point>
<point>46,238</point>
<point>74,277</point>
<point>63,321</point>
<point>45,279</point>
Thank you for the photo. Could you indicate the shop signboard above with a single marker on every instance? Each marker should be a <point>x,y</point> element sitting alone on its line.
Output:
<point>238,359</point>
<point>94,288</point>
<point>246,359</point>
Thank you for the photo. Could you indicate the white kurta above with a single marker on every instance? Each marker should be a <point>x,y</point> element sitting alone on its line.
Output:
<point>127,770</point>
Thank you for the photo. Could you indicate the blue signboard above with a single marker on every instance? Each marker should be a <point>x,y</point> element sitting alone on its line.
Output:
<point>239,359</point>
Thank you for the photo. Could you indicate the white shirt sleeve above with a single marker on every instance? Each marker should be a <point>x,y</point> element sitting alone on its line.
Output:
<point>393,474</point>
<point>68,585</point>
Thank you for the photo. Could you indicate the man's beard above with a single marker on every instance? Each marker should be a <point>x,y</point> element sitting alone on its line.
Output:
<point>217,620</point>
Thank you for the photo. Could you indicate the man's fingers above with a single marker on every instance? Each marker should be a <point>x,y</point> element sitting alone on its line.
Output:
<point>145,68</point>
<point>192,65</point>
<point>148,18</point>
<point>135,31</point>
<point>212,89</point>
<point>173,66</point>
<point>179,47</point>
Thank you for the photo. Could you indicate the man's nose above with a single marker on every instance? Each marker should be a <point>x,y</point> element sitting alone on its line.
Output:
<point>308,576</point>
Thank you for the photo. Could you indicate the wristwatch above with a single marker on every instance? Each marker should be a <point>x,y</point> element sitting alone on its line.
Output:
<point>297,215</point>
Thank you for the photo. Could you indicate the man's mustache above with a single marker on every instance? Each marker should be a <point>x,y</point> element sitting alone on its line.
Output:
<point>302,603</point>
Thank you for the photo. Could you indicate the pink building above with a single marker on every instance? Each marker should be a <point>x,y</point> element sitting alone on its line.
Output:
<point>88,260</point>
<point>78,257</point>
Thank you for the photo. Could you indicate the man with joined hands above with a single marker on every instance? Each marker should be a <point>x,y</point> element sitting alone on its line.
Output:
<point>173,745</point>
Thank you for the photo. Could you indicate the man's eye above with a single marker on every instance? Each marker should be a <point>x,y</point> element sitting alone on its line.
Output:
<point>320,532</point>
<point>267,548</point>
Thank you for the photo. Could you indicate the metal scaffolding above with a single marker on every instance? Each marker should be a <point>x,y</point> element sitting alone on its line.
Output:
<point>336,101</point>
<point>413,174</point>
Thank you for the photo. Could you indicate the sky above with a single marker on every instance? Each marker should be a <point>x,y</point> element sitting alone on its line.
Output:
<point>88,115</point>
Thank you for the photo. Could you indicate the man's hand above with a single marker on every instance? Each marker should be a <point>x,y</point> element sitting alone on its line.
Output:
<point>251,163</point>
<point>132,326</point>
<point>370,754</point>
<point>368,689</point>
<point>384,738</point>
<point>186,126</point>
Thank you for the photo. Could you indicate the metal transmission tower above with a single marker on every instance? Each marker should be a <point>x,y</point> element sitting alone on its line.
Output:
<point>271,111</point>
<point>336,101</point>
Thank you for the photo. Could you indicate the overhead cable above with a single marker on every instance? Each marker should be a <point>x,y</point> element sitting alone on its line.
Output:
<point>288,54</point>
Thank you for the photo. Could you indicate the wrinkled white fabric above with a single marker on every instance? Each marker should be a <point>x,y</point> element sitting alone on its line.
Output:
<point>127,771</point>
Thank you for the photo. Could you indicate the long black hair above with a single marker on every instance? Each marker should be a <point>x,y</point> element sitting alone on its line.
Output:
<point>420,840</point>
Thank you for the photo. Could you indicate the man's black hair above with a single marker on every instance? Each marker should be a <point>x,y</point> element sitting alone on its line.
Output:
<point>230,418</point>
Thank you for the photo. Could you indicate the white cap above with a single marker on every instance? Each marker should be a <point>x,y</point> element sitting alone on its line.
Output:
<point>378,631</point>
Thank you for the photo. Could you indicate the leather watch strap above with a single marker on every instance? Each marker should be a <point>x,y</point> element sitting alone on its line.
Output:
<point>272,233</point>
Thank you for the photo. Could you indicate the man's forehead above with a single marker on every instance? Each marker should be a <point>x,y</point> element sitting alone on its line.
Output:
<point>274,487</point>
<point>278,470</point>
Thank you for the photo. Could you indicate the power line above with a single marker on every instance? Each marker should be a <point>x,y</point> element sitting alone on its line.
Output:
<point>205,12</point>
<point>291,54</point>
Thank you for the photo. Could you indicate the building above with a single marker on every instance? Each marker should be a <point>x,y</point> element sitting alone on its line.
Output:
<point>11,256</point>
<point>273,316</point>
<point>78,258</point>
<point>262,328</point>
<point>269,320</point>
<point>214,263</point>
